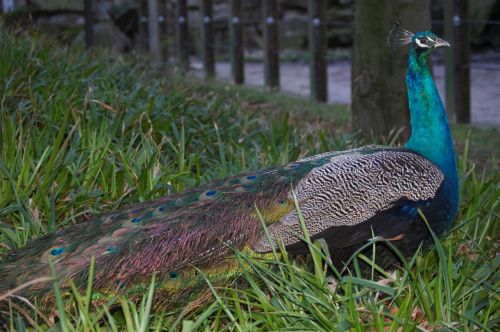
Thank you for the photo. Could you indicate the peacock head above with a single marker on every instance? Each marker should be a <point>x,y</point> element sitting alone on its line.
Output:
<point>423,42</point>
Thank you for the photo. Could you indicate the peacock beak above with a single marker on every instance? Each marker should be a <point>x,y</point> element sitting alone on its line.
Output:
<point>441,42</point>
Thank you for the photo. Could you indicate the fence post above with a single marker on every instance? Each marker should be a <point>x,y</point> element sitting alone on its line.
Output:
<point>171,29</point>
<point>449,58</point>
<point>271,48</point>
<point>461,51</point>
<point>208,38</point>
<point>182,34</point>
<point>142,10</point>
<point>162,22</point>
<point>89,24</point>
<point>236,41</point>
<point>317,46</point>
<point>153,32</point>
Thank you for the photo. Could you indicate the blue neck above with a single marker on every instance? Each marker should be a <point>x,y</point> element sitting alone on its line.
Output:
<point>430,133</point>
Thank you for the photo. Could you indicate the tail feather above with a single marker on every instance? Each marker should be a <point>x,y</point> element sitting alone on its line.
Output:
<point>168,235</point>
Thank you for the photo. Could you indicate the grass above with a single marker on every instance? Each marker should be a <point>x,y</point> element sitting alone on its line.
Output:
<point>81,134</point>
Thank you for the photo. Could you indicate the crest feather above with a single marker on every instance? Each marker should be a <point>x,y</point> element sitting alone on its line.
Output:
<point>399,37</point>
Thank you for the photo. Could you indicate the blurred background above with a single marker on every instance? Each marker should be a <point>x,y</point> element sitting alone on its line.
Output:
<point>310,48</point>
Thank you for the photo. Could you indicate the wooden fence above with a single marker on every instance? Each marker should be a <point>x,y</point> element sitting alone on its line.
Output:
<point>456,26</point>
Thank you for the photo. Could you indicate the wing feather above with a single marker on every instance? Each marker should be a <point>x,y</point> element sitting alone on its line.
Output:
<point>352,188</point>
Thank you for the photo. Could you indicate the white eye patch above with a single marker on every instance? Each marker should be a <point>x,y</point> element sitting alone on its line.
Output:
<point>424,42</point>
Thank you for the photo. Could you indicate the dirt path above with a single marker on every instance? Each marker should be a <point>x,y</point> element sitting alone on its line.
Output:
<point>485,84</point>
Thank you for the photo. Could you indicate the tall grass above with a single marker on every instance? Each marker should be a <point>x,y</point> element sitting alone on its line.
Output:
<point>454,286</point>
<point>80,134</point>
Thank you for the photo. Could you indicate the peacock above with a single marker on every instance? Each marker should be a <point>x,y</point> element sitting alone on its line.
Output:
<point>345,197</point>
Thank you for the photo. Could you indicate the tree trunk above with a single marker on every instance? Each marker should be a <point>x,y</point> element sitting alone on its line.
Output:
<point>379,100</point>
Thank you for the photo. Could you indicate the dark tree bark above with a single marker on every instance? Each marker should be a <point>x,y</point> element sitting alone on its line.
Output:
<point>379,100</point>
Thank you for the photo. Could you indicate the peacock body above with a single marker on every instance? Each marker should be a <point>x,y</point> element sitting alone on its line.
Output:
<point>345,197</point>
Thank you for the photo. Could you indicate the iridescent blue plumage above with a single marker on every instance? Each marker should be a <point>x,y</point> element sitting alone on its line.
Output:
<point>431,136</point>
<point>56,251</point>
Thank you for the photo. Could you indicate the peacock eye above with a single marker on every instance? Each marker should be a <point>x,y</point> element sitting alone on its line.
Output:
<point>423,40</point>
